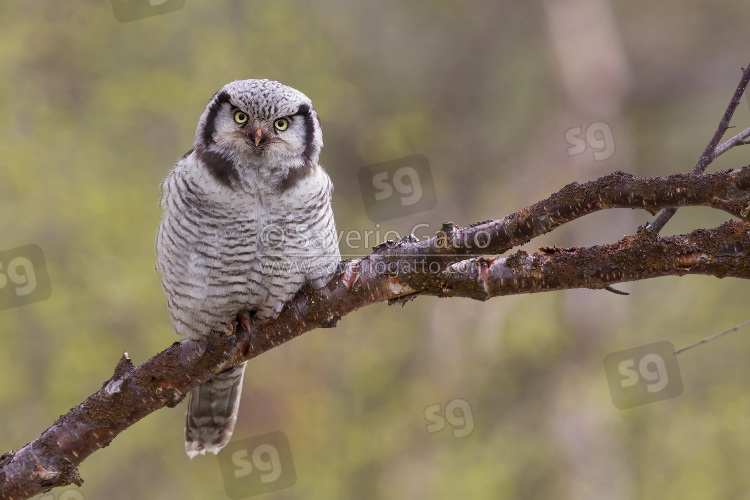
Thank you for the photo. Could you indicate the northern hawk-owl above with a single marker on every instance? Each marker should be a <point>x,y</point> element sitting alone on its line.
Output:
<point>247,221</point>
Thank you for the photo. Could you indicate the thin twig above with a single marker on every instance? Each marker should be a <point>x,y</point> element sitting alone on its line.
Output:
<point>712,151</point>
<point>713,337</point>
<point>737,140</point>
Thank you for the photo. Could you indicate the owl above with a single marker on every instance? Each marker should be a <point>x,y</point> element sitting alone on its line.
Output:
<point>247,221</point>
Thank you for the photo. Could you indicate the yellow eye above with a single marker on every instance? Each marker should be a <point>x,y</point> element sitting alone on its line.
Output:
<point>281,124</point>
<point>240,117</point>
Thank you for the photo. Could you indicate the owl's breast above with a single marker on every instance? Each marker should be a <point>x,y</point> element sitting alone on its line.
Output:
<point>229,250</point>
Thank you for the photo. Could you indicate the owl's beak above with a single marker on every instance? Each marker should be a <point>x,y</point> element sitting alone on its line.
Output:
<point>257,135</point>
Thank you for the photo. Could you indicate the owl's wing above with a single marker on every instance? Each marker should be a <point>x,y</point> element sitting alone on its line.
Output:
<point>181,258</point>
<point>325,253</point>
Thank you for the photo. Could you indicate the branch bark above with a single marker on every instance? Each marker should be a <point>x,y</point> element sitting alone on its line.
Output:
<point>457,262</point>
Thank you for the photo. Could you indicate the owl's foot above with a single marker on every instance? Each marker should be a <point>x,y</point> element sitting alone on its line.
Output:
<point>245,321</point>
<point>230,327</point>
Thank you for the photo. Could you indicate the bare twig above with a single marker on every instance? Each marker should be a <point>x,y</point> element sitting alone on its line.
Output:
<point>458,262</point>
<point>712,338</point>
<point>737,140</point>
<point>712,150</point>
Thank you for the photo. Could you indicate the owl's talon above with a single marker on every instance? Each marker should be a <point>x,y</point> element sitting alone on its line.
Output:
<point>230,327</point>
<point>245,321</point>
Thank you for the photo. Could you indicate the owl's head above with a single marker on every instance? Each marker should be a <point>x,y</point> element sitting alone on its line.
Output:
<point>256,128</point>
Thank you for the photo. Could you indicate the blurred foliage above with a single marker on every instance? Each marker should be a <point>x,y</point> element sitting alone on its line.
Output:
<point>95,112</point>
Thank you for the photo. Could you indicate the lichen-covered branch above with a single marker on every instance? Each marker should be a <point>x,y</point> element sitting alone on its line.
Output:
<point>721,252</point>
<point>728,191</point>
<point>459,261</point>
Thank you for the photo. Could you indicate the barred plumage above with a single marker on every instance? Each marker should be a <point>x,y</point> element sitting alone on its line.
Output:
<point>247,221</point>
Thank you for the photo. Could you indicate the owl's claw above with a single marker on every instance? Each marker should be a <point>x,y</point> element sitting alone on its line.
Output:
<point>230,327</point>
<point>245,321</point>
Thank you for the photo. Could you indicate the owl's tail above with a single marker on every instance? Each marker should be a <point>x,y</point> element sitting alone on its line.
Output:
<point>212,412</point>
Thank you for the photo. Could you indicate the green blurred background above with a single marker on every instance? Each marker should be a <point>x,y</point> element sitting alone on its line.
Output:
<point>94,112</point>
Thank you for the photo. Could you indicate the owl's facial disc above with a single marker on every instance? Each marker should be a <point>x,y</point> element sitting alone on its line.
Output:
<point>258,126</point>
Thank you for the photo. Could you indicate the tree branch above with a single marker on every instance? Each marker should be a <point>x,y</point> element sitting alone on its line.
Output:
<point>720,252</point>
<point>455,263</point>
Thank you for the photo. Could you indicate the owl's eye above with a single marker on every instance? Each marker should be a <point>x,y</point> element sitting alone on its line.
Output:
<point>240,117</point>
<point>281,124</point>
